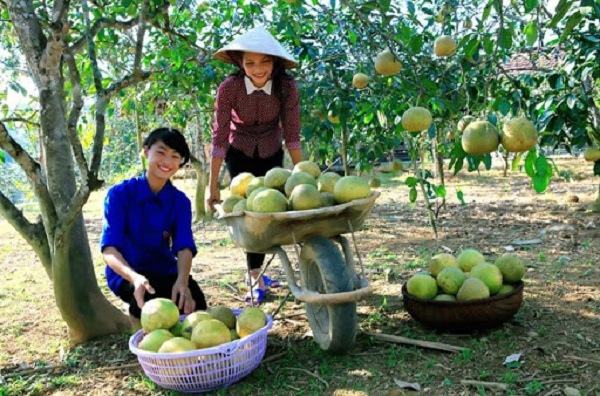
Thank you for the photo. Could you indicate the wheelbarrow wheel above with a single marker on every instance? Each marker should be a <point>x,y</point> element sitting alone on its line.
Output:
<point>323,269</point>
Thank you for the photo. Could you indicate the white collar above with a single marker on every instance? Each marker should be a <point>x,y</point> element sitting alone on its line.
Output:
<point>251,88</point>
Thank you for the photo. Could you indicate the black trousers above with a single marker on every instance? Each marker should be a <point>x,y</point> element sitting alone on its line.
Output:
<point>163,287</point>
<point>238,162</point>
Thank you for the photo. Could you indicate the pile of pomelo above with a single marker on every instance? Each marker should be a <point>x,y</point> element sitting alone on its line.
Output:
<point>166,333</point>
<point>466,277</point>
<point>302,188</point>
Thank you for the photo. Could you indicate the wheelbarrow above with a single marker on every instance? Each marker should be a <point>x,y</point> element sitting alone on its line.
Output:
<point>329,285</point>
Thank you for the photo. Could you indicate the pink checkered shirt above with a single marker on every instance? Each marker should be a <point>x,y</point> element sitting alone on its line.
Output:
<point>253,121</point>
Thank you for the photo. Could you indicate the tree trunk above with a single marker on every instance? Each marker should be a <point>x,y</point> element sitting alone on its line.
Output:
<point>596,204</point>
<point>344,151</point>
<point>84,308</point>
<point>201,182</point>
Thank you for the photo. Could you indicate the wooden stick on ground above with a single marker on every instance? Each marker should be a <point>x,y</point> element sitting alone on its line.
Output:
<point>496,385</point>
<point>423,344</point>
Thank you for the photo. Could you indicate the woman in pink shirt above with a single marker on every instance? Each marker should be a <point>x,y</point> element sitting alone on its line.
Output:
<point>257,110</point>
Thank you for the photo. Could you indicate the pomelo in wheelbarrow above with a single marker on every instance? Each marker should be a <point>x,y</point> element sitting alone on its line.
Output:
<point>251,197</point>
<point>269,201</point>
<point>230,202</point>
<point>254,184</point>
<point>326,182</point>
<point>349,188</point>
<point>239,184</point>
<point>304,197</point>
<point>309,167</point>
<point>297,178</point>
<point>159,313</point>
<point>276,178</point>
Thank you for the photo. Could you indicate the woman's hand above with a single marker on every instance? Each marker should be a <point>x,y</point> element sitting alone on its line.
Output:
<point>214,197</point>
<point>140,287</point>
<point>182,296</point>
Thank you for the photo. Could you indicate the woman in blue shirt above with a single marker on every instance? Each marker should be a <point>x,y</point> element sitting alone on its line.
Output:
<point>147,242</point>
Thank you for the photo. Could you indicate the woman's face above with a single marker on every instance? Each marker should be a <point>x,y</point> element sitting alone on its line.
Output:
<point>258,67</point>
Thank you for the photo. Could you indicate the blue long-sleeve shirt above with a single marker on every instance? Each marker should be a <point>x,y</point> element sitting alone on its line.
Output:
<point>147,228</point>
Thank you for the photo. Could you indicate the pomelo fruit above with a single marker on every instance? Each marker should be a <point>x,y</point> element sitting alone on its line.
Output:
<point>234,334</point>
<point>298,178</point>
<point>224,314</point>
<point>240,206</point>
<point>444,297</point>
<point>192,320</point>
<point>489,274</point>
<point>177,344</point>
<point>349,188</point>
<point>360,81</point>
<point>304,197</point>
<point>480,137</point>
<point>386,63</point>
<point>469,258</point>
<point>416,119</point>
<point>210,333</point>
<point>591,154</point>
<point>255,183</point>
<point>309,167</point>
<point>239,184</point>
<point>229,202</point>
<point>511,266</point>
<point>153,340</point>
<point>276,178</point>
<point>444,46</point>
<point>422,286</point>
<point>441,261</point>
<point>250,199</point>
<point>327,199</point>
<point>505,289</point>
<point>332,117</point>
<point>326,182</point>
<point>450,279</point>
<point>159,313</point>
<point>269,201</point>
<point>472,289</point>
<point>177,329</point>
<point>518,135</point>
<point>249,321</point>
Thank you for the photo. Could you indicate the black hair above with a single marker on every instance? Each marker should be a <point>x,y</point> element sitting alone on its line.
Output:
<point>173,139</point>
<point>278,76</point>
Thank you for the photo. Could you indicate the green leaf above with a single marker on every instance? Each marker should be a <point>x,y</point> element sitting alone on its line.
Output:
<point>384,5</point>
<point>411,181</point>
<point>529,163</point>
<point>530,5</point>
<point>487,161</point>
<point>460,196</point>
<point>440,191</point>
<point>412,195</point>
<point>572,22</point>
<point>540,183</point>
<point>2,156</point>
<point>561,10</point>
<point>505,38</point>
<point>531,32</point>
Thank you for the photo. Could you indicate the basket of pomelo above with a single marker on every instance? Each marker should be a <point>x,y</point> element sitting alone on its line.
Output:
<point>203,351</point>
<point>283,207</point>
<point>465,293</point>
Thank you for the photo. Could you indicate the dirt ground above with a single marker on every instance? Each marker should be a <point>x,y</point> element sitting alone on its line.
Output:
<point>555,331</point>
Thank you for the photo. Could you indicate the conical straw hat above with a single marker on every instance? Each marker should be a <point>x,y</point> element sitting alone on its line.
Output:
<point>256,40</point>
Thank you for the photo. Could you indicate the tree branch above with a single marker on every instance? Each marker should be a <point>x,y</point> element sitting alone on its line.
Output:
<point>141,31</point>
<point>32,170</point>
<point>59,11</point>
<point>99,25</point>
<point>20,119</point>
<point>33,233</point>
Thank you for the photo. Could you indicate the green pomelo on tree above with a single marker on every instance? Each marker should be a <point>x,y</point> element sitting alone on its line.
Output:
<point>480,137</point>
<point>422,286</point>
<point>450,279</point>
<point>489,274</point>
<point>159,313</point>
<point>386,63</point>
<point>349,188</point>
<point>416,119</point>
<point>511,266</point>
<point>154,339</point>
<point>518,135</point>
<point>472,289</point>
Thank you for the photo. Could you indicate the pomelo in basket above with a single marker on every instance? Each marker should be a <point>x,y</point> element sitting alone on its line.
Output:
<point>191,321</point>
<point>441,261</point>
<point>210,333</point>
<point>505,289</point>
<point>422,286</point>
<point>450,279</point>
<point>224,314</point>
<point>472,289</point>
<point>444,297</point>
<point>490,275</point>
<point>159,313</point>
<point>153,340</point>
<point>249,321</point>
<point>469,258</point>
<point>511,266</point>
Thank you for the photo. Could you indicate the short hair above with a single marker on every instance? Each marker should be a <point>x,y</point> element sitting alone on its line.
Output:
<point>173,139</point>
